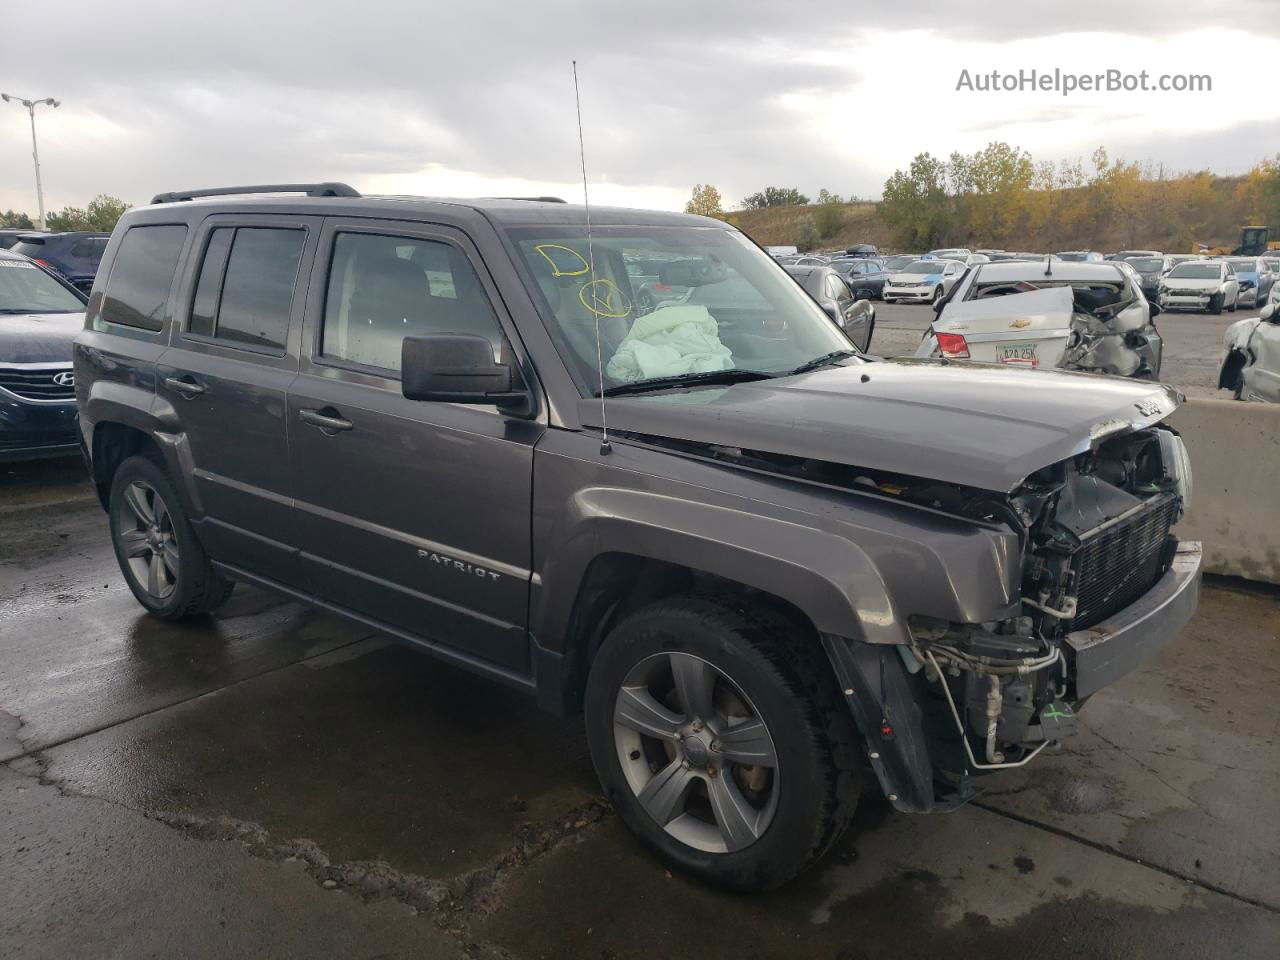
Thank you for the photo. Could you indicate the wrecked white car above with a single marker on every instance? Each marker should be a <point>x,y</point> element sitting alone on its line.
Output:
<point>1251,357</point>
<point>1208,285</point>
<point>1073,316</point>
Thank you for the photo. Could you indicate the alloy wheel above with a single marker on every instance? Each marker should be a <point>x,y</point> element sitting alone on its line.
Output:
<point>144,530</point>
<point>696,753</point>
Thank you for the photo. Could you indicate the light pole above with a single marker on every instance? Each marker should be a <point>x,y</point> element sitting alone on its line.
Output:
<point>35,151</point>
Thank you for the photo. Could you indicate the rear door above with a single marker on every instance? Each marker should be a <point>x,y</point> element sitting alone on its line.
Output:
<point>414,514</point>
<point>231,360</point>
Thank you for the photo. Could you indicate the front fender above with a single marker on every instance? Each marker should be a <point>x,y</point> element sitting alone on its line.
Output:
<point>828,577</point>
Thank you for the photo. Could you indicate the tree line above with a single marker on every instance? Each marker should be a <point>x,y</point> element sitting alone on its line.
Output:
<point>1000,196</point>
<point>99,216</point>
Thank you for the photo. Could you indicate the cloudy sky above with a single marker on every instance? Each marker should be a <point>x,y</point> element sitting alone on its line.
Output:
<point>476,98</point>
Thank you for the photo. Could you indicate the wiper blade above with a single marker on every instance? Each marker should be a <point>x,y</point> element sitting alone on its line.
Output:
<point>688,380</point>
<point>825,360</point>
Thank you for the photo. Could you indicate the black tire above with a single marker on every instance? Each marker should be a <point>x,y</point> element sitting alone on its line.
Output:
<point>789,686</point>
<point>195,588</point>
<point>937,294</point>
<point>1215,303</point>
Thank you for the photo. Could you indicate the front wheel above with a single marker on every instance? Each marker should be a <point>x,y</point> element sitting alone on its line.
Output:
<point>1215,303</point>
<point>720,737</point>
<point>937,294</point>
<point>161,558</point>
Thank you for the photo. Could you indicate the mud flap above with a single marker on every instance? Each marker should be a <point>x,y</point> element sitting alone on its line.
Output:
<point>878,690</point>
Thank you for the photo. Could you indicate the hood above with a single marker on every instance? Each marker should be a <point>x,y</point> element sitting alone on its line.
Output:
<point>38,337</point>
<point>981,425</point>
<point>1192,283</point>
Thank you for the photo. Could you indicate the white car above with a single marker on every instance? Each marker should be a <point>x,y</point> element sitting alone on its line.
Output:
<point>1251,357</point>
<point>924,281</point>
<point>1209,285</point>
<point>1038,313</point>
<point>1171,260</point>
<point>950,253</point>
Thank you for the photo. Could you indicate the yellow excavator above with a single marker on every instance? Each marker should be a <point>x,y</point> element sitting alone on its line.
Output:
<point>1254,242</point>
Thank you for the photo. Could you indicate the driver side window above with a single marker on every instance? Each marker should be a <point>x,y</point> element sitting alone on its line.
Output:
<point>384,288</point>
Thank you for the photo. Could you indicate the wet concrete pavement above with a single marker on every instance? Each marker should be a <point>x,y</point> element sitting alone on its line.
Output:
<point>274,782</point>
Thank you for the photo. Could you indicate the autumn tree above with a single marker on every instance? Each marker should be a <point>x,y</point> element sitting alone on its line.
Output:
<point>828,218</point>
<point>775,197</point>
<point>705,201</point>
<point>915,206</point>
<point>100,216</point>
<point>14,220</point>
<point>807,237</point>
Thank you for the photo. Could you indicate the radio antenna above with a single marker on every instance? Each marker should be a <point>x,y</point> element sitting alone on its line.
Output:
<point>605,448</point>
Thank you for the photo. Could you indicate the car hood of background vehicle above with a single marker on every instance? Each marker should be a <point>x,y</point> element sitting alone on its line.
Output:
<point>981,425</point>
<point>1192,283</point>
<point>38,337</point>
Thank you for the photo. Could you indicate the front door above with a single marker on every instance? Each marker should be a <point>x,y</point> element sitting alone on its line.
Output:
<point>226,374</point>
<point>413,514</point>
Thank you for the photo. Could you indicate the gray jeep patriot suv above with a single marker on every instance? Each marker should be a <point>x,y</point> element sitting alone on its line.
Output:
<point>783,562</point>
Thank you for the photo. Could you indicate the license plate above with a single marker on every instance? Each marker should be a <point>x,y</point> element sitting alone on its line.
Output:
<point>1019,354</point>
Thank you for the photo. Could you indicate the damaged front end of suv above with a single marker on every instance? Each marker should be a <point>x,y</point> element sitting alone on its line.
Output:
<point>1097,584</point>
<point>1096,539</point>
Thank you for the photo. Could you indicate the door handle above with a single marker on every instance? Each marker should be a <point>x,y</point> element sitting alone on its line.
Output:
<point>187,386</point>
<point>329,422</point>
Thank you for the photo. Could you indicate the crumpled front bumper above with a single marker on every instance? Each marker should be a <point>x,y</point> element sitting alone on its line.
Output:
<point>1107,651</point>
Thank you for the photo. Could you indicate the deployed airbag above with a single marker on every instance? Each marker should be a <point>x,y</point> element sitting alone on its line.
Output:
<point>673,340</point>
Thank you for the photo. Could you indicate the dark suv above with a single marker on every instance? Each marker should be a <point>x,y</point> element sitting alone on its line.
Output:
<point>75,255</point>
<point>782,562</point>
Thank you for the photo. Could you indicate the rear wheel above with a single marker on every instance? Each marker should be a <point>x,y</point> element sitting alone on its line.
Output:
<point>721,740</point>
<point>162,561</point>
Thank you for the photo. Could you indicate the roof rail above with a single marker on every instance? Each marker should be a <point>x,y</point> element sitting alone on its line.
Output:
<point>310,189</point>
<point>534,199</point>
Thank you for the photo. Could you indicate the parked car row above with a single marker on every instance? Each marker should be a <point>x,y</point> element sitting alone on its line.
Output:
<point>73,255</point>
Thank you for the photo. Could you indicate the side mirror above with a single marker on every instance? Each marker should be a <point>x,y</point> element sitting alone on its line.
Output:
<point>457,368</point>
<point>1154,308</point>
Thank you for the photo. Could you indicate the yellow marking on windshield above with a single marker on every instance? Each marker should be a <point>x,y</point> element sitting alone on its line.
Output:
<point>605,299</point>
<point>542,248</point>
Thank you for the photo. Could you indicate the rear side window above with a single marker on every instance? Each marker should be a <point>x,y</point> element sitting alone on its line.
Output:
<point>90,248</point>
<point>383,289</point>
<point>245,289</point>
<point>138,290</point>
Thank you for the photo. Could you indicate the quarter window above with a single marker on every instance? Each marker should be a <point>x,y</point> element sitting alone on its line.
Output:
<point>245,289</point>
<point>383,289</point>
<point>137,292</point>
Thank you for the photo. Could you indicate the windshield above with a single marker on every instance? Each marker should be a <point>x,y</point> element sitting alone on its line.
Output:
<point>924,267</point>
<point>1244,266</point>
<point>897,263</point>
<point>738,310</point>
<point>1147,264</point>
<point>25,288</point>
<point>1196,271</point>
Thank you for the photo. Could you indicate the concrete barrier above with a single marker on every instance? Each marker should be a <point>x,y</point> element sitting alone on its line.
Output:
<point>1235,505</point>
